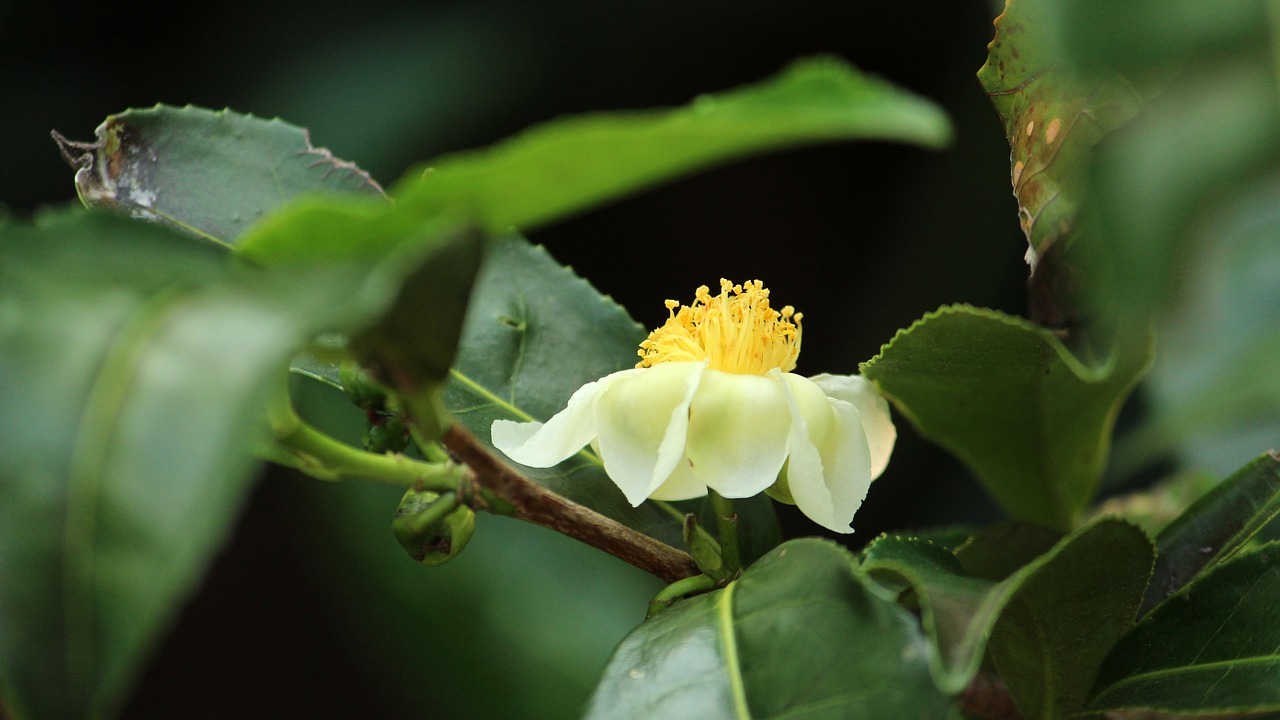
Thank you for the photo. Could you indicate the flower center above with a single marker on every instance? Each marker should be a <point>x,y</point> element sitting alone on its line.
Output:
<point>736,331</point>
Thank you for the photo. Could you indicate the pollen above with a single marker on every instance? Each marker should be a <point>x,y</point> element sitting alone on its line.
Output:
<point>737,331</point>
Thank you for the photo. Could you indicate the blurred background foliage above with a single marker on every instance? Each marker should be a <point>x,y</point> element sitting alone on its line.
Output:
<point>313,610</point>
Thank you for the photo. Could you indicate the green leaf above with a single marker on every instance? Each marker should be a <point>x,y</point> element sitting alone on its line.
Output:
<point>1031,421</point>
<point>565,166</point>
<point>135,366</point>
<point>959,611</point>
<point>1150,203</point>
<point>412,345</point>
<point>536,332</point>
<point>800,634</point>
<point>1209,649</point>
<point>1051,118</point>
<point>210,173</point>
<point>1067,614</point>
<point>1140,35</point>
<point>1002,549</point>
<point>962,609</point>
<point>1216,526</point>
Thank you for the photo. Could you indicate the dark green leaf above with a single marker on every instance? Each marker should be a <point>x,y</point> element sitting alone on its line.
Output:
<point>800,634</point>
<point>1000,550</point>
<point>1052,120</point>
<point>1216,526</point>
<point>961,608</point>
<point>959,611</point>
<point>1067,614</point>
<point>210,173</point>
<point>567,165</point>
<point>1004,395</point>
<point>413,344</point>
<point>1141,35</point>
<point>135,366</point>
<point>1209,649</point>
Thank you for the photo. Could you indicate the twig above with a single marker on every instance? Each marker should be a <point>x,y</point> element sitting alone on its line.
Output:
<point>538,505</point>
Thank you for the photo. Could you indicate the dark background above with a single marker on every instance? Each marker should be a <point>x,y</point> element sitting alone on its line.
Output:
<point>863,238</point>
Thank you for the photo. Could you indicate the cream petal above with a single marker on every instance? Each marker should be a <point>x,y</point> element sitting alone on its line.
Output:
<point>829,462</point>
<point>846,459</point>
<point>738,432</point>
<point>872,408</point>
<point>642,424</point>
<point>542,445</point>
<point>682,485</point>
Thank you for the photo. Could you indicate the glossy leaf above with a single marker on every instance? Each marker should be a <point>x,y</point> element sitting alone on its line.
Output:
<point>1067,614</point>
<point>801,633</point>
<point>1002,549</point>
<point>135,365</point>
<point>412,345</point>
<point>1209,649</point>
<point>1216,526</point>
<point>1007,398</point>
<point>210,173</point>
<point>567,165</point>
<point>1051,118</point>
<point>961,610</point>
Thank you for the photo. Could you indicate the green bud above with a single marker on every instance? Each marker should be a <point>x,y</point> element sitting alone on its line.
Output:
<point>432,528</point>
<point>385,433</point>
<point>780,490</point>
<point>360,388</point>
<point>705,551</point>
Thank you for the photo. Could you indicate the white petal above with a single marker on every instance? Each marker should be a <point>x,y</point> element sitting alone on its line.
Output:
<point>682,485</point>
<point>642,423</point>
<point>538,445</point>
<point>738,432</point>
<point>872,408</point>
<point>829,463</point>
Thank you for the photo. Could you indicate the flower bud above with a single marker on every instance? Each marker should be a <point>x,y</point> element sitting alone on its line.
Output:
<point>385,433</point>
<point>363,391</point>
<point>432,528</point>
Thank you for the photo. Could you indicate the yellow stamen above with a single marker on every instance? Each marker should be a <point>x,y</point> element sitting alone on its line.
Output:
<point>736,331</point>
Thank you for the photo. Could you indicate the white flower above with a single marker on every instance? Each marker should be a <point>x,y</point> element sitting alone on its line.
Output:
<point>712,404</point>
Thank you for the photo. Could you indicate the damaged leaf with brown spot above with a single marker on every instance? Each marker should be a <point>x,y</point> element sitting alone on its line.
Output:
<point>209,173</point>
<point>1051,118</point>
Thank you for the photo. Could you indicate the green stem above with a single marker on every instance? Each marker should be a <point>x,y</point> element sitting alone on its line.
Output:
<point>436,513</point>
<point>668,595</point>
<point>727,524</point>
<point>326,457</point>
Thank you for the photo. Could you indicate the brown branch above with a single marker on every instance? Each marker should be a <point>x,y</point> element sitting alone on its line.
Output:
<point>538,505</point>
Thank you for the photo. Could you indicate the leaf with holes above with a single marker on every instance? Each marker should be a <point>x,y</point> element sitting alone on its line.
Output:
<point>801,633</point>
<point>210,173</point>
